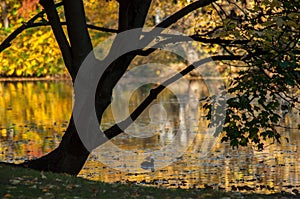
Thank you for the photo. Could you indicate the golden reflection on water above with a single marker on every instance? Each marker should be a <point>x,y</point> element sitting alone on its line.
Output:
<point>272,170</point>
<point>33,116</point>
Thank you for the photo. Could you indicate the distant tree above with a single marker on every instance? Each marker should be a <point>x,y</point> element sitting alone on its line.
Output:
<point>258,38</point>
<point>5,21</point>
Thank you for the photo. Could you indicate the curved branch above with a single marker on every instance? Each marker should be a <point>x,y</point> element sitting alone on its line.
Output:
<point>164,24</point>
<point>183,12</point>
<point>173,19</point>
<point>119,127</point>
<point>7,42</point>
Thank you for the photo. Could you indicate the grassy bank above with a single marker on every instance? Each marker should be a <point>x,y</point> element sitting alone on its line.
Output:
<point>24,183</point>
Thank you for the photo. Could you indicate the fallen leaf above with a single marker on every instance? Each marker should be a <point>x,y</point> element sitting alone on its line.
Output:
<point>33,187</point>
<point>14,181</point>
<point>7,195</point>
<point>43,176</point>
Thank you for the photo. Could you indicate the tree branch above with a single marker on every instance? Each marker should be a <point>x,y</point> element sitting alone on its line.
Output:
<point>130,22</point>
<point>109,30</point>
<point>217,40</point>
<point>59,34</point>
<point>183,12</point>
<point>180,38</point>
<point>7,42</point>
<point>116,130</point>
<point>131,15</point>
<point>80,40</point>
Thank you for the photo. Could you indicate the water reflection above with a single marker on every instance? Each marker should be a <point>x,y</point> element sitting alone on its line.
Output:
<point>207,162</point>
<point>34,116</point>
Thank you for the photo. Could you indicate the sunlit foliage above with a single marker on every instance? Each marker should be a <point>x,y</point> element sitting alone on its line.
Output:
<point>34,53</point>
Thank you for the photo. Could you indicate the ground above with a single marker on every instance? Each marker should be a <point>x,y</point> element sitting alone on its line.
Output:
<point>18,182</point>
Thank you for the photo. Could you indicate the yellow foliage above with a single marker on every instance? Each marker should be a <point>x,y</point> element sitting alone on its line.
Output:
<point>33,53</point>
<point>3,133</point>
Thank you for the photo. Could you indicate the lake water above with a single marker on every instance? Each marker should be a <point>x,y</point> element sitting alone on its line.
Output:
<point>34,115</point>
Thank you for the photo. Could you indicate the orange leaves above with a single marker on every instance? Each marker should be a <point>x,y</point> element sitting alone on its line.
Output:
<point>27,7</point>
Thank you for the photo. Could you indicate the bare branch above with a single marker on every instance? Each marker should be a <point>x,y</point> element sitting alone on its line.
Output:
<point>80,41</point>
<point>59,34</point>
<point>287,127</point>
<point>7,42</point>
<point>116,130</point>
<point>218,40</point>
<point>180,38</point>
<point>183,12</point>
<point>93,27</point>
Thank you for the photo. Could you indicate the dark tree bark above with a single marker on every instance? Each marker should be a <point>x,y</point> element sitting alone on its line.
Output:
<point>71,154</point>
<point>59,34</point>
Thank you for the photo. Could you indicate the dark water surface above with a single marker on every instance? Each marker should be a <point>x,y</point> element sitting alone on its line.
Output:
<point>34,115</point>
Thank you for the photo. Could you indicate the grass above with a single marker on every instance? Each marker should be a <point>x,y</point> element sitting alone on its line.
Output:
<point>18,182</point>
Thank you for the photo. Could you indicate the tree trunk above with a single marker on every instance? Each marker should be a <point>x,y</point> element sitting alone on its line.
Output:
<point>70,156</point>
<point>5,21</point>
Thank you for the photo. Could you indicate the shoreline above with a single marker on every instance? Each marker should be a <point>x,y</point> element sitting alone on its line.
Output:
<point>18,182</point>
<point>29,79</point>
<point>67,78</point>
